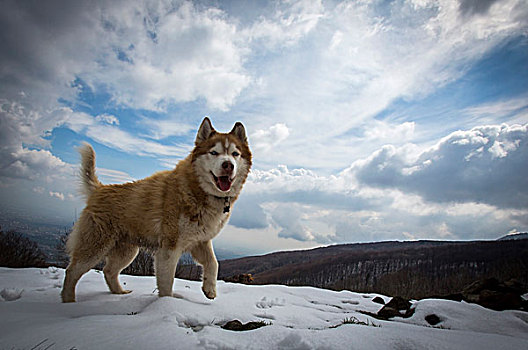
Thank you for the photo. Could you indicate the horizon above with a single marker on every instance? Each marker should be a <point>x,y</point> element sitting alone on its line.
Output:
<point>368,121</point>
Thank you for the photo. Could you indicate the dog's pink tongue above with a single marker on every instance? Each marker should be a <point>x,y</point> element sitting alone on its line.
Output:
<point>224,183</point>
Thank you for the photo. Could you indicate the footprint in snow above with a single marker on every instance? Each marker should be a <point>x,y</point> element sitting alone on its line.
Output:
<point>10,294</point>
<point>264,303</point>
<point>265,315</point>
<point>52,272</point>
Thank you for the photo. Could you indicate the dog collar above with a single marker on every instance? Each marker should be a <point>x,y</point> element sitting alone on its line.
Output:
<point>227,203</point>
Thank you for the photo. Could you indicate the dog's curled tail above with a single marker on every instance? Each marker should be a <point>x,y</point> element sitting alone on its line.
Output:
<point>89,181</point>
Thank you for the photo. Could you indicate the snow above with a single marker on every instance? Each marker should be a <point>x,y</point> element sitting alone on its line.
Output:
<point>32,317</point>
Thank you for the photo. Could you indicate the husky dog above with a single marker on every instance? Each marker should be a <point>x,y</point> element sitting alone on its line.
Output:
<point>171,211</point>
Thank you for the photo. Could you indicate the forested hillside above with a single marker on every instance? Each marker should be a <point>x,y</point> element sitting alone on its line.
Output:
<point>408,269</point>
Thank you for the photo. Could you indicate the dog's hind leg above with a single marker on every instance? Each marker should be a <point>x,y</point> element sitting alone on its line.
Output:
<point>204,254</point>
<point>86,246</point>
<point>165,263</point>
<point>74,272</point>
<point>117,259</point>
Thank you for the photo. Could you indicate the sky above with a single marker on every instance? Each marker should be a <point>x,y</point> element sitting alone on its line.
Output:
<point>368,120</point>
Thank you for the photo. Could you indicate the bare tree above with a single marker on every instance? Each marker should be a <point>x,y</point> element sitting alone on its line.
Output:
<point>143,264</point>
<point>61,255</point>
<point>19,251</point>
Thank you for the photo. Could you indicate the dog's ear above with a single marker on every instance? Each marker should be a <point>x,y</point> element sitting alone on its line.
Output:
<point>205,131</point>
<point>239,131</point>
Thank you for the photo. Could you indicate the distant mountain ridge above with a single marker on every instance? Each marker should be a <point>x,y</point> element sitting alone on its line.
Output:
<point>408,269</point>
<point>514,236</point>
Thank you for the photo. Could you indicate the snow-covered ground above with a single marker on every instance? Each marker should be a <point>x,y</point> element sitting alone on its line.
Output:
<point>32,317</point>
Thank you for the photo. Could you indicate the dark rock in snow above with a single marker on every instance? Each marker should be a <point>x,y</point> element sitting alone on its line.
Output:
<point>399,303</point>
<point>388,312</point>
<point>396,307</point>
<point>238,326</point>
<point>244,278</point>
<point>432,319</point>
<point>500,301</point>
<point>378,300</point>
<point>495,295</point>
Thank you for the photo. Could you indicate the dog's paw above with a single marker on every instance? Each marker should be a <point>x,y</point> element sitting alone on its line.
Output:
<point>209,291</point>
<point>67,297</point>
<point>123,291</point>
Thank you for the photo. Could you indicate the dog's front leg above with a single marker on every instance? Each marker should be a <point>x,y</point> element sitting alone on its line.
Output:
<point>203,253</point>
<point>165,264</point>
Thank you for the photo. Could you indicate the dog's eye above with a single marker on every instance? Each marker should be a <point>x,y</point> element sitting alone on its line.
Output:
<point>235,154</point>
<point>214,153</point>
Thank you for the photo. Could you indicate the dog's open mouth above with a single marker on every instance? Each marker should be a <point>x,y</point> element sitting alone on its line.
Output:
<point>222,182</point>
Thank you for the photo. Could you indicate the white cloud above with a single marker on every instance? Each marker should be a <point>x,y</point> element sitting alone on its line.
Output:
<point>291,21</point>
<point>32,164</point>
<point>498,109</point>
<point>57,195</point>
<point>339,64</point>
<point>145,54</point>
<point>289,219</point>
<point>500,149</point>
<point>442,192</point>
<point>121,140</point>
<point>363,56</point>
<point>110,134</point>
<point>107,119</point>
<point>385,132</point>
<point>481,165</point>
<point>113,176</point>
<point>161,129</point>
<point>263,140</point>
<point>169,54</point>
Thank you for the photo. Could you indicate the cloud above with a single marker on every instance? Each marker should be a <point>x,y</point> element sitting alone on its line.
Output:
<point>144,55</point>
<point>289,217</point>
<point>113,176</point>
<point>360,58</point>
<point>515,108</point>
<point>24,123</point>
<point>475,6</point>
<point>110,134</point>
<point>107,119</point>
<point>385,132</point>
<point>121,140</point>
<point>339,64</point>
<point>57,195</point>
<point>290,22</point>
<point>467,185</point>
<point>164,128</point>
<point>249,213</point>
<point>263,140</point>
<point>170,54</point>
<point>484,165</point>
<point>32,164</point>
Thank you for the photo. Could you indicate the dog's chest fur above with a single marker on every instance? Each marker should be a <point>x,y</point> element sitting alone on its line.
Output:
<point>201,228</point>
<point>190,216</point>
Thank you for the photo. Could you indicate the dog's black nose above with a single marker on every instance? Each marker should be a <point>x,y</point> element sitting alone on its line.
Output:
<point>228,166</point>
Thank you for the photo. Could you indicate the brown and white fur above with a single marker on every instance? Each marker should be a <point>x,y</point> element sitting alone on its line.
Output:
<point>171,211</point>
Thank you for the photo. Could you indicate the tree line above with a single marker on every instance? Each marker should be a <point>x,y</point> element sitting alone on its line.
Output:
<point>19,251</point>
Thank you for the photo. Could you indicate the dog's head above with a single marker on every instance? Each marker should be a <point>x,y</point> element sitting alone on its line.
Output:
<point>221,160</point>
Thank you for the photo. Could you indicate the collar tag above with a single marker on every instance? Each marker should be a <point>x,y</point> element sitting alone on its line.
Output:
<point>227,205</point>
